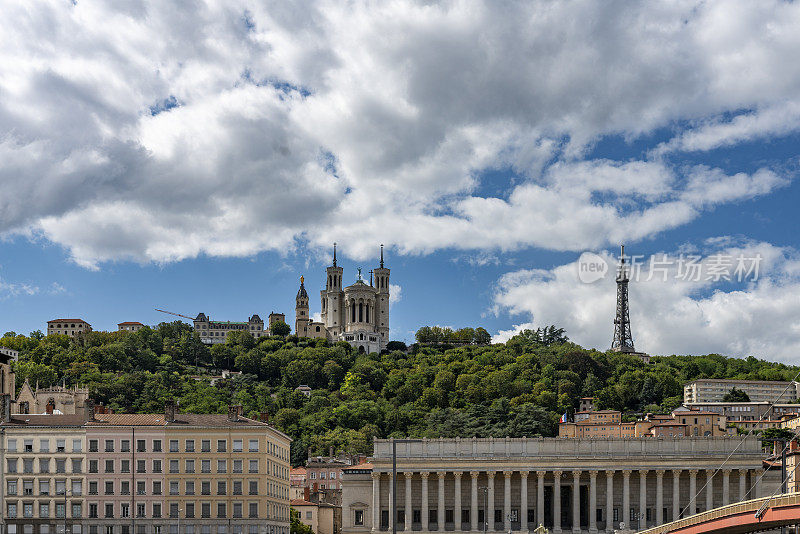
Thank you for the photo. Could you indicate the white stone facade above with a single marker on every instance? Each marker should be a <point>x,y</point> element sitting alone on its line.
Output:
<point>357,314</point>
<point>447,485</point>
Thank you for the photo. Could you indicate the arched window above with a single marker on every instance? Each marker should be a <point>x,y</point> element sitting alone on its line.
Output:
<point>317,329</point>
<point>366,316</point>
<point>353,311</point>
<point>330,281</point>
<point>360,312</point>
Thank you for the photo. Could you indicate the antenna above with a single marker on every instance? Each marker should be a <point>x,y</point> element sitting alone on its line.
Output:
<point>623,339</point>
<point>334,253</point>
<point>381,255</point>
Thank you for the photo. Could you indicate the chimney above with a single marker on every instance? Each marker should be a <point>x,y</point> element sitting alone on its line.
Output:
<point>169,411</point>
<point>307,493</point>
<point>265,417</point>
<point>50,408</point>
<point>88,410</point>
<point>233,412</point>
<point>330,451</point>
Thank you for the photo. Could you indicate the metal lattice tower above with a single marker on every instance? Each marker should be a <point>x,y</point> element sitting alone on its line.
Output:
<point>623,340</point>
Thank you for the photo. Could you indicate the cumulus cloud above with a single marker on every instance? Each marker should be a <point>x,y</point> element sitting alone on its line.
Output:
<point>153,133</point>
<point>670,312</point>
<point>395,294</point>
<point>14,289</point>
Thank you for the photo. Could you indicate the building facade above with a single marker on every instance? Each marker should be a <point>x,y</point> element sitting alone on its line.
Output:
<point>51,400</point>
<point>321,517</point>
<point>681,422</point>
<point>713,390</point>
<point>165,473</point>
<point>212,332</point>
<point>741,413</point>
<point>130,326</point>
<point>68,327</point>
<point>565,485</point>
<point>357,314</point>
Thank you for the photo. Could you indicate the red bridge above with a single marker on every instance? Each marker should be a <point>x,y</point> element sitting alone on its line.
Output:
<point>746,516</point>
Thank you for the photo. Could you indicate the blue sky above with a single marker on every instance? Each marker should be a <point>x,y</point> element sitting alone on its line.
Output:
<point>488,146</point>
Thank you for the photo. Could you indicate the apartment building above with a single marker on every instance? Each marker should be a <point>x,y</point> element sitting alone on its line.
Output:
<point>44,479</point>
<point>682,422</point>
<point>68,327</point>
<point>714,390</point>
<point>130,326</point>
<point>743,412</point>
<point>170,473</point>
<point>212,332</point>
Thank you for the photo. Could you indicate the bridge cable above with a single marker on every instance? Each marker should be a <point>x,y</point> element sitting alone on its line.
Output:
<point>708,479</point>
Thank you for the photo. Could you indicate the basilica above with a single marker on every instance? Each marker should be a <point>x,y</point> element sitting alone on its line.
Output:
<point>357,314</point>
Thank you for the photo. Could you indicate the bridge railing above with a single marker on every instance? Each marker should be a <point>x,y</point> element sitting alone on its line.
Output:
<point>753,505</point>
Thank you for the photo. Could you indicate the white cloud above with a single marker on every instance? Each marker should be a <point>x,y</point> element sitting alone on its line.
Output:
<point>14,289</point>
<point>758,318</point>
<point>147,132</point>
<point>395,294</point>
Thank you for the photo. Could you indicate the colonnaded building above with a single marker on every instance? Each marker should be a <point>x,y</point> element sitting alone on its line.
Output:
<point>566,485</point>
<point>358,313</point>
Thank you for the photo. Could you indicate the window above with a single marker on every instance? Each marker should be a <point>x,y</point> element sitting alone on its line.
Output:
<point>156,445</point>
<point>140,510</point>
<point>237,487</point>
<point>156,466</point>
<point>174,487</point>
<point>140,466</point>
<point>205,510</point>
<point>156,509</point>
<point>61,465</point>
<point>125,466</point>
<point>237,510</point>
<point>93,445</point>
<point>358,517</point>
<point>221,511</point>
<point>173,510</point>
<point>205,445</point>
<point>237,445</point>
<point>221,487</point>
<point>190,466</point>
<point>44,487</point>
<point>125,445</point>
<point>109,445</point>
<point>190,487</point>
<point>189,509</point>
<point>222,466</point>
<point>93,466</point>
<point>109,509</point>
<point>309,515</point>
<point>205,487</point>
<point>12,465</point>
<point>125,487</point>
<point>27,465</point>
<point>44,465</point>
<point>93,510</point>
<point>253,445</point>
<point>11,487</point>
<point>92,487</point>
<point>109,466</point>
<point>253,510</point>
<point>77,465</point>
<point>44,445</point>
<point>12,510</point>
<point>76,445</point>
<point>77,488</point>
<point>109,485</point>
<point>173,445</point>
<point>205,466</point>
<point>254,466</point>
<point>76,512</point>
<point>125,509</point>
<point>237,466</point>
<point>140,445</point>
<point>189,445</point>
<point>27,487</point>
<point>140,487</point>
<point>174,466</point>
<point>222,445</point>
<point>12,445</point>
<point>44,510</point>
<point>156,487</point>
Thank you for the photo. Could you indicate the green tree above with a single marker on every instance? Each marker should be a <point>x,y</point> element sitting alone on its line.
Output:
<point>296,526</point>
<point>279,328</point>
<point>736,395</point>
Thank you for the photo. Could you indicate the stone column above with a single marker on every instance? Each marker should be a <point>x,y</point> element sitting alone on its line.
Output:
<point>489,513</point>
<point>676,494</point>
<point>726,487</point>
<point>507,501</point>
<point>709,489</point>
<point>556,502</point>
<point>540,498</point>
<point>742,483</point>
<point>457,500</point>
<point>408,511</point>
<point>609,502</point>
<point>757,485</point>
<point>692,491</point>
<point>642,523</point>
<point>523,501</point>
<point>376,501</point>
<point>626,498</point>
<point>440,520</point>
<point>593,501</point>
<point>473,512</point>
<point>425,508</point>
<point>392,513</point>
<point>659,517</point>
<point>576,501</point>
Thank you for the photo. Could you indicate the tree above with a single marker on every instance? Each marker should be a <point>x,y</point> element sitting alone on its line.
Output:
<point>736,395</point>
<point>396,345</point>
<point>296,526</point>
<point>279,328</point>
<point>482,337</point>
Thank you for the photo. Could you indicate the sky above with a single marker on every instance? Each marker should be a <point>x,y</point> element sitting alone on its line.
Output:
<point>202,156</point>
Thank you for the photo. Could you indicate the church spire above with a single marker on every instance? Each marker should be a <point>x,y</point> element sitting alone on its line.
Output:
<point>334,254</point>
<point>381,255</point>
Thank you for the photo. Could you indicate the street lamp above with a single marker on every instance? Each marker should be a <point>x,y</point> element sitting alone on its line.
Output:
<point>394,480</point>
<point>485,491</point>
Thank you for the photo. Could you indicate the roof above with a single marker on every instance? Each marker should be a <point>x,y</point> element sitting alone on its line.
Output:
<point>67,321</point>
<point>302,293</point>
<point>301,502</point>
<point>130,322</point>
<point>732,381</point>
<point>360,467</point>
<point>670,423</point>
<point>74,420</point>
<point>189,419</point>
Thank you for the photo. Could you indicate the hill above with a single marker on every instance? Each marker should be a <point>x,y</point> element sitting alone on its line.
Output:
<point>519,388</point>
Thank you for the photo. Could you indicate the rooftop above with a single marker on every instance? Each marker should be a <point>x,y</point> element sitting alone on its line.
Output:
<point>67,321</point>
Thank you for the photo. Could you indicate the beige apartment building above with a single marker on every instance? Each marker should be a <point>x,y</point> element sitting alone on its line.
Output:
<point>212,332</point>
<point>68,327</point>
<point>713,390</point>
<point>321,517</point>
<point>608,424</point>
<point>130,326</point>
<point>583,486</point>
